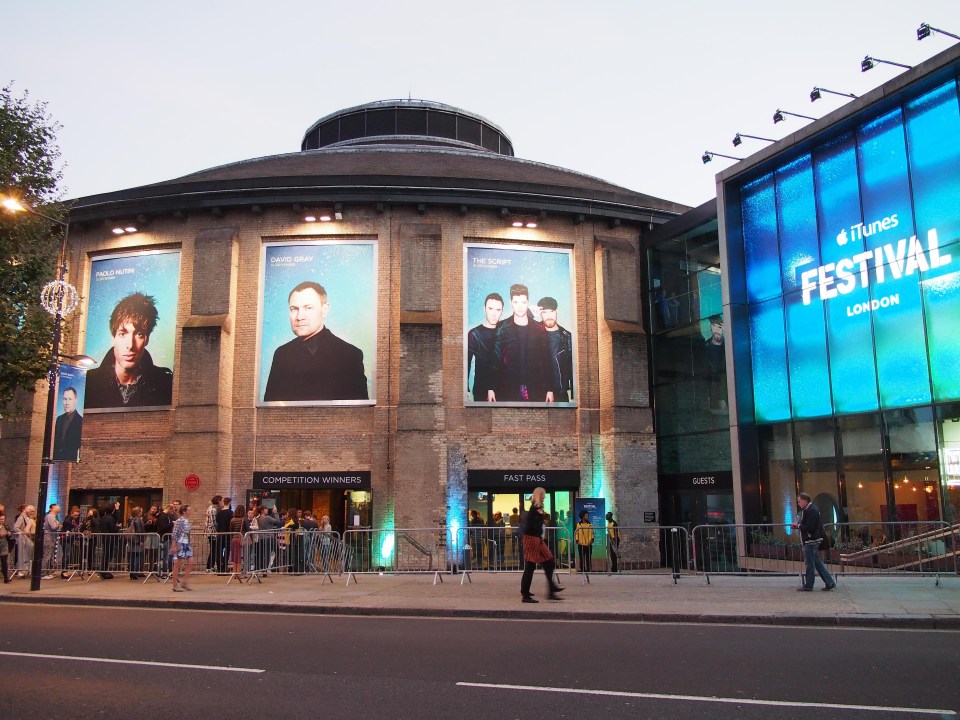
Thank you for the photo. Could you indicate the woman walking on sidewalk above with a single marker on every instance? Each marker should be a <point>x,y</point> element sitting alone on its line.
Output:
<point>535,550</point>
<point>183,551</point>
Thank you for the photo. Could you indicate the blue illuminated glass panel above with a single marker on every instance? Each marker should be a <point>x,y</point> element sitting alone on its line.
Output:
<point>876,213</point>
<point>933,144</point>
<point>770,386</point>
<point>853,374</point>
<point>941,299</point>
<point>900,345</point>
<point>838,197</point>
<point>760,239</point>
<point>884,184</point>
<point>797,218</point>
<point>807,353</point>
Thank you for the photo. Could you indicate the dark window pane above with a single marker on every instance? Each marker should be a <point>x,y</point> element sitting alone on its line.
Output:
<point>381,122</point>
<point>351,126</point>
<point>491,138</point>
<point>411,122</point>
<point>442,124</point>
<point>468,130</point>
<point>330,132</point>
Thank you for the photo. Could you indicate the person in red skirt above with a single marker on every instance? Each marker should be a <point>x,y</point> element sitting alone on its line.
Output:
<point>535,550</point>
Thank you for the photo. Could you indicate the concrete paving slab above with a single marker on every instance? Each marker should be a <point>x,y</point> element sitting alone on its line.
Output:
<point>894,602</point>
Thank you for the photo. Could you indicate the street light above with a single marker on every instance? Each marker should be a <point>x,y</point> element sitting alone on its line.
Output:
<point>59,298</point>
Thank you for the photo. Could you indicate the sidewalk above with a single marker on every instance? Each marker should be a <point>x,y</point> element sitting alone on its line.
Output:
<point>891,602</point>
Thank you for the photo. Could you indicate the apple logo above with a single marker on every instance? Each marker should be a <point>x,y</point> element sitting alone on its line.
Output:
<point>842,237</point>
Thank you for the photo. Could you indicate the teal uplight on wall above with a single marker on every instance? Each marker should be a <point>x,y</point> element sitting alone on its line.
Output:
<point>387,546</point>
<point>598,487</point>
<point>53,490</point>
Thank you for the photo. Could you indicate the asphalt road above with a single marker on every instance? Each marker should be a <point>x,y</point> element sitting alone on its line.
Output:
<point>214,665</point>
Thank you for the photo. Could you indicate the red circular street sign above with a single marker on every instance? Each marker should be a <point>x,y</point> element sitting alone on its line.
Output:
<point>191,482</point>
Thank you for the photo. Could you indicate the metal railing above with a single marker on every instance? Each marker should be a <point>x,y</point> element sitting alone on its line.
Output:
<point>874,548</point>
<point>894,548</point>
<point>649,550</point>
<point>880,548</point>
<point>401,550</point>
<point>491,549</point>
<point>760,548</point>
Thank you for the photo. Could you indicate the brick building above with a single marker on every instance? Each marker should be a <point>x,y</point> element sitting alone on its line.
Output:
<point>416,186</point>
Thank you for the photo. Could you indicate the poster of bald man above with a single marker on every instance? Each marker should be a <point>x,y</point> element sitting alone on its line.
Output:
<point>318,317</point>
<point>68,428</point>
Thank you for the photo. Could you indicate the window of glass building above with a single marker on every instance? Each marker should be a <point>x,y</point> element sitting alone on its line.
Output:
<point>778,486</point>
<point>862,465</point>
<point>913,464</point>
<point>816,444</point>
<point>948,418</point>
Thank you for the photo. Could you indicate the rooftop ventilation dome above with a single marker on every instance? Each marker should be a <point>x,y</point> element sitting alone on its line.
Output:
<point>407,122</point>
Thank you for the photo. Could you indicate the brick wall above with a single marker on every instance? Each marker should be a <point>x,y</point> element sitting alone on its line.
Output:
<point>419,439</point>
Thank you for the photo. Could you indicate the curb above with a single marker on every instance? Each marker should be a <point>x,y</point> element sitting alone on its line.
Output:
<point>889,622</point>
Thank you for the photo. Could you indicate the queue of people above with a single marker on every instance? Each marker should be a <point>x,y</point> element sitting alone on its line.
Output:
<point>239,540</point>
<point>101,541</point>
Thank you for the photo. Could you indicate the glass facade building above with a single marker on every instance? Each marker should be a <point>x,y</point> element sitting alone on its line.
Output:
<point>685,311</point>
<point>841,257</point>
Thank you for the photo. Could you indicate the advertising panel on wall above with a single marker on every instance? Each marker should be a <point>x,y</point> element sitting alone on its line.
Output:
<point>520,338</point>
<point>852,245</point>
<point>68,428</point>
<point>131,329</point>
<point>318,315</point>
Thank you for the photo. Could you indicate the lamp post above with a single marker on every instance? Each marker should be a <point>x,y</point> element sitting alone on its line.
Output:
<point>59,298</point>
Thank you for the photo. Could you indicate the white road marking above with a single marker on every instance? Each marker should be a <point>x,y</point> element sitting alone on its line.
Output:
<point>708,699</point>
<point>179,666</point>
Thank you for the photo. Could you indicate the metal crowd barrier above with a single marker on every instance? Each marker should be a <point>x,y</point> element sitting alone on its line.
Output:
<point>491,549</point>
<point>762,548</point>
<point>21,555</point>
<point>105,554</point>
<point>869,548</point>
<point>646,550</point>
<point>894,548</point>
<point>401,550</point>
<point>300,552</point>
<point>71,553</point>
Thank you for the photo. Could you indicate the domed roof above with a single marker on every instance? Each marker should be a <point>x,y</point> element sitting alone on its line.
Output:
<point>404,121</point>
<point>371,165</point>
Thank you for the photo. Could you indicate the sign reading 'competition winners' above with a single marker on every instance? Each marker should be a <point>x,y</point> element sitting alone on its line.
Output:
<point>520,326</point>
<point>131,328</point>
<point>318,322</point>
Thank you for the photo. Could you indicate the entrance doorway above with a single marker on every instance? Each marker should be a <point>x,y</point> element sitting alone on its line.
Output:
<point>691,509</point>
<point>500,549</point>
<point>128,498</point>
<point>347,509</point>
